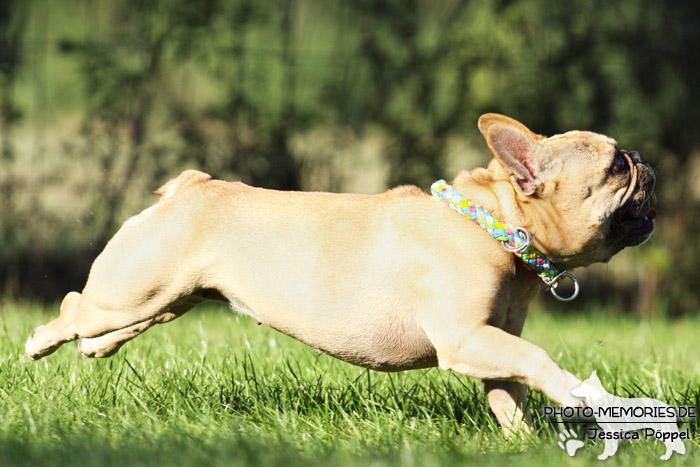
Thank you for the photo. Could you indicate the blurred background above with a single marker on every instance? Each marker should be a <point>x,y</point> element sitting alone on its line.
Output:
<point>102,101</point>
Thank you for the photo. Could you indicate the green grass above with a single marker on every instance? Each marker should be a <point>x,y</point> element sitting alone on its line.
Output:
<point>212,388</point>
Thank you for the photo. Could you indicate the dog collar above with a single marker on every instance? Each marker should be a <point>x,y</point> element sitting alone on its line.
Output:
<point>516,240</point>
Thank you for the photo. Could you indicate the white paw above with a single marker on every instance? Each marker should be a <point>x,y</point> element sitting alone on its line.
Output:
<point>591,395</point>
<point>569,442</point>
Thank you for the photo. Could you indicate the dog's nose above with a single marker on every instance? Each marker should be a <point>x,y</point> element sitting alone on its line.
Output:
<point>636,157</point>
<point>646,173</point>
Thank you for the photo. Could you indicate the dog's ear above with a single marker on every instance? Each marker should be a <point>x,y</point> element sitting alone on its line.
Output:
<point>516,147</point>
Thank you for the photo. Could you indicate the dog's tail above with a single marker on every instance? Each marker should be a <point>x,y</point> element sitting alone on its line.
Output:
<point>186,178</point>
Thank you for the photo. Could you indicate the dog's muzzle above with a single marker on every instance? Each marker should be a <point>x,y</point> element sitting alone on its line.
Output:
<point>633,222</point>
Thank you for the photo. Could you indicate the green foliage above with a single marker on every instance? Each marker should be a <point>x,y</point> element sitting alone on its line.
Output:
<point>212,388</point>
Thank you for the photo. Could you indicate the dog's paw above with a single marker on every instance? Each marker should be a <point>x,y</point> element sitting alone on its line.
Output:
<point>35,331</point>
<point>31,349</point>
<point>36,348</point>
<point>569,442</point>
<point>591,395</point>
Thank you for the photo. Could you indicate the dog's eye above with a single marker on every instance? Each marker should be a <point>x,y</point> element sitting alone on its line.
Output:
<point>619,163</point>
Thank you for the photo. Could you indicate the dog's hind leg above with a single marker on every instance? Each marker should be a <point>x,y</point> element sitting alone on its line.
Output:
<point>107,327</point>
<point>139,278</point>
<point>108,344</point>
<point>151,271</point>
<point>45,339</point>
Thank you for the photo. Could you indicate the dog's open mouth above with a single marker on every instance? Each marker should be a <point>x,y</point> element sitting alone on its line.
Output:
<point>635,223</point>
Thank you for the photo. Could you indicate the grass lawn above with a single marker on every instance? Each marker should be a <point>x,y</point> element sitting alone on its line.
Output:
<point>212,388</point>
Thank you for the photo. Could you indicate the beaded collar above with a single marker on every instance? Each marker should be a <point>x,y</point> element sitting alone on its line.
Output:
<point>516,240</point>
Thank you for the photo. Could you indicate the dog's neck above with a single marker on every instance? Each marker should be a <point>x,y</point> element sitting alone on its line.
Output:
<point>492,189</point>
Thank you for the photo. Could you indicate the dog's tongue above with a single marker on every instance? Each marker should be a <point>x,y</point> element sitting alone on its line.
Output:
<point>647,212</point>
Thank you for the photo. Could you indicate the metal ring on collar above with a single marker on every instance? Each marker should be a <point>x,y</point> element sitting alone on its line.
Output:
<point>526,242</point>
<point>554,283</point>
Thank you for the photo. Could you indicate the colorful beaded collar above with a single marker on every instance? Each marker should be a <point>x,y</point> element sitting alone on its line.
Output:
<point>516,240</point>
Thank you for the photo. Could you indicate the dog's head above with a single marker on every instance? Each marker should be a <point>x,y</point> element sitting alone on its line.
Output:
<point>584,197</point>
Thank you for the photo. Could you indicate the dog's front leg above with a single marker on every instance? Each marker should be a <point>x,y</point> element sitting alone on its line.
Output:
<point>490,353</point>
<point>508,401</point>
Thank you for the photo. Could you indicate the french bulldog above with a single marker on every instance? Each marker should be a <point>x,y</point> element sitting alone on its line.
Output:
<point>392,281</point>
